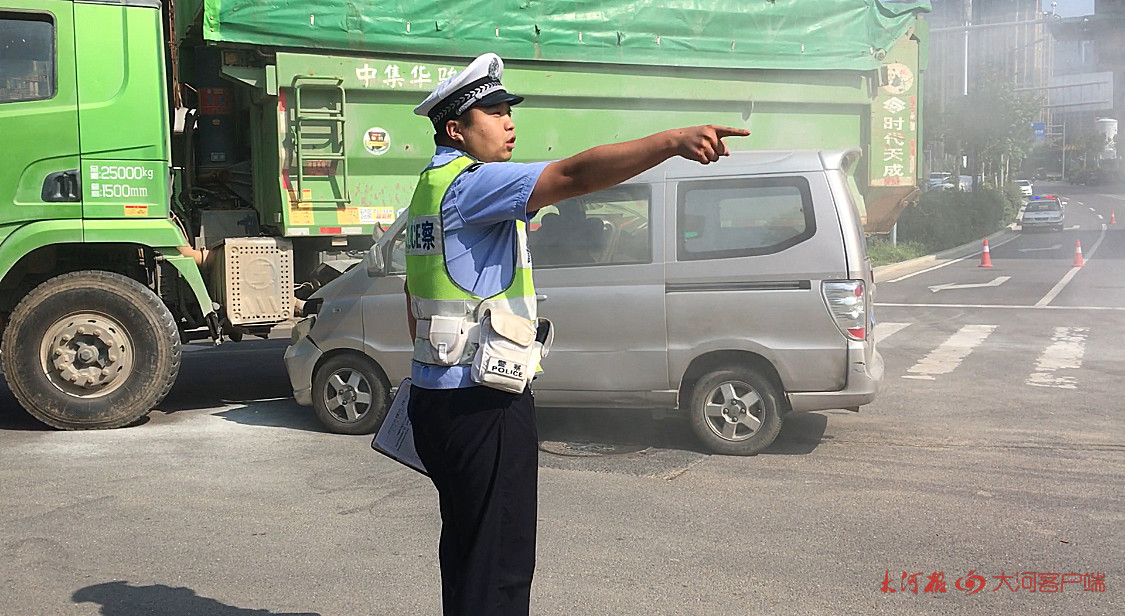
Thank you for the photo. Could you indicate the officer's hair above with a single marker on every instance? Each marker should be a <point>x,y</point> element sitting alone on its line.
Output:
<point>442,138</point>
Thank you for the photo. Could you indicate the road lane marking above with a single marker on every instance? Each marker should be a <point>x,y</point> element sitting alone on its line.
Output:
<point>975,254</point>
<point>886,330</point>
<point>1004,306</point>
<point>1054,292</point>
<point>1118,197</point>
<point>950,354</point>
<point>1055,247</point>
<point>999,280</point>
<point>1093,210</point>
<point>1068,344</point>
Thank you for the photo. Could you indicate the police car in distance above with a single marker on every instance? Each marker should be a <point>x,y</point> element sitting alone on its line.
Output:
<point>1043,212</point>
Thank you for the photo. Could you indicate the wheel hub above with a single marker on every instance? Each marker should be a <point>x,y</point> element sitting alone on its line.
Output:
<point>87,354</point>
<point>734,410</point>
<point>347,395</point>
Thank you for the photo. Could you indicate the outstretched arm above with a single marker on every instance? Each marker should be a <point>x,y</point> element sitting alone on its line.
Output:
<point>609,165</point>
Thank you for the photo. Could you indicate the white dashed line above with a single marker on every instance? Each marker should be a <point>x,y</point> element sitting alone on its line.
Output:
<point>1003,306</point>
<point>886,330</point>
<point>1068,344</point>
<point>951,353</point>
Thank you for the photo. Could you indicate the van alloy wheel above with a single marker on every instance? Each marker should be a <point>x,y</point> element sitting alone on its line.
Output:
<point>350,394</point>
<point>347,394</point>
<point>735,411</point>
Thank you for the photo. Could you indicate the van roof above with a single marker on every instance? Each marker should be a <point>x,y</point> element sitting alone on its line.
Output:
<point>754,162</point>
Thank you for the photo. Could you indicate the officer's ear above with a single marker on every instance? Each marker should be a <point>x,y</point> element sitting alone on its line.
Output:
<point>453,130</point>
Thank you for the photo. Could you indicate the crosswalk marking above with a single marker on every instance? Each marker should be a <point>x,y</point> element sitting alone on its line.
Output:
<point>950,354</point>
<point>1068,344</point>
<point>886,330</point>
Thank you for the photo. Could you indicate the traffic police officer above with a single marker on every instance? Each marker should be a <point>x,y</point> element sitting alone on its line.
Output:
<point>467,257</point>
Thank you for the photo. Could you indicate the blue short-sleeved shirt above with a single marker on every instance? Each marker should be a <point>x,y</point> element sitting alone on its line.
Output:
<point>478,217</point>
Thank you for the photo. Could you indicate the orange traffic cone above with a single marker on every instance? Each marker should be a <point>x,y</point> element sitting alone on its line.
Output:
<point>1078,262</point>
<point>1112,218</point>
<point>985,257</point>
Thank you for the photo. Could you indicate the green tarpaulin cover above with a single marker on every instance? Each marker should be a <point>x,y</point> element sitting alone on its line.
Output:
<point>769,34</point>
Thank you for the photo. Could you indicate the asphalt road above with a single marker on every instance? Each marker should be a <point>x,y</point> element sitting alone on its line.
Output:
<point>994,451</point>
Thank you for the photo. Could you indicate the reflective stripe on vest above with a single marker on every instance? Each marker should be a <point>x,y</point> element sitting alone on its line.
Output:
<point>432,290</point>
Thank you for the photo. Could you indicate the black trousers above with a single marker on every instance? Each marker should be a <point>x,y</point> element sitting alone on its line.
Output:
<point>481,448</point>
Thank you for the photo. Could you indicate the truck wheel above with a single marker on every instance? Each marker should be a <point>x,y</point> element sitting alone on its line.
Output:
<point>735,411</point>
<point>350,394</point>
<point>90,350</point>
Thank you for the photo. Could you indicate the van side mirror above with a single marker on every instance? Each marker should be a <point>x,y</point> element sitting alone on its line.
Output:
<point>373,261</point>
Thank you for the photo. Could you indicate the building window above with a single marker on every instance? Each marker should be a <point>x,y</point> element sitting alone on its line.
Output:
<point>1086,53</point>
<point>27,57</point>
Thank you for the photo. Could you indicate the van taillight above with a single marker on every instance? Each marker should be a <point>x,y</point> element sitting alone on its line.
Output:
<point>847,305</point>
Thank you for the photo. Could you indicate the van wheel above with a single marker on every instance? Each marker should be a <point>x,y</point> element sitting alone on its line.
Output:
<point>350,394</point>
<point>735,411</point>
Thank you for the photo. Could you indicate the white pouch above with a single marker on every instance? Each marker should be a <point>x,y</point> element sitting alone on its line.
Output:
<point>508,353</point>
<point>448,336</point>
<point>544,338</point>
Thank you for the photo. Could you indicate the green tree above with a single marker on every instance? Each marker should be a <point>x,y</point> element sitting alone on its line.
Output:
<point>993,126</point>
<point>1090,146</point>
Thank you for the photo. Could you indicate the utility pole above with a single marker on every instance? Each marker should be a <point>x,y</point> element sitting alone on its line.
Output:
<point>967,17</point>
<point>1063,171</point>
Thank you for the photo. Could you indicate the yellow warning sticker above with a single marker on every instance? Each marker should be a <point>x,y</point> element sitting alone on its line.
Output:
<point>348,216</point>
<point>301,216</point>
<point>136,210</point>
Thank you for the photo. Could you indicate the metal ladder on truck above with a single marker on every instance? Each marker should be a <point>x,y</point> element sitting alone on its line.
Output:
<point>308,119</point>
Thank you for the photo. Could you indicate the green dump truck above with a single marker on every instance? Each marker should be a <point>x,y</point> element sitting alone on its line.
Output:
<point>192,169</point>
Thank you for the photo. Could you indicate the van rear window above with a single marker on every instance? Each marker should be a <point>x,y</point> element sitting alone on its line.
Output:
<point>27,57</point>
<point>731,218</point>
<point>1043,205</point>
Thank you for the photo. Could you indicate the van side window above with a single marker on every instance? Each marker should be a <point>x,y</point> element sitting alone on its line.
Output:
<point>720,219</point>
<point>603,228</point>
<point>27,57</point>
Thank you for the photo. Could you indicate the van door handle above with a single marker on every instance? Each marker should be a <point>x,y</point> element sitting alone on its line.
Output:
<point>539,297</point>
<point>61,187</point>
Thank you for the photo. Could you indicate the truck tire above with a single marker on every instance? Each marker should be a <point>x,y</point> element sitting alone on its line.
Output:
<point>90,350</point>
<point>351,395</point>
<point>734,411</point>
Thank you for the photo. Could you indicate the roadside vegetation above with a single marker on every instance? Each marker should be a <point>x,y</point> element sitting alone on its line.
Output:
<point>943,219</point>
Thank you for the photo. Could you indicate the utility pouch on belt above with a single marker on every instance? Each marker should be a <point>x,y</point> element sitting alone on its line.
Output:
<point>544,338</point>
<point>509,351</point>
<point>448,336</point>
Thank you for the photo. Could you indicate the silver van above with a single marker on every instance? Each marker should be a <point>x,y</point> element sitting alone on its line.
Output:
<point>735,292</point>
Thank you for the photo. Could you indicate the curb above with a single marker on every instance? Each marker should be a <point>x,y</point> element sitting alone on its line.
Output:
<point>893,270</point>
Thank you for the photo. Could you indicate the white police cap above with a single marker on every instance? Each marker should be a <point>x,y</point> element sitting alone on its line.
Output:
<point>477,85</point>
